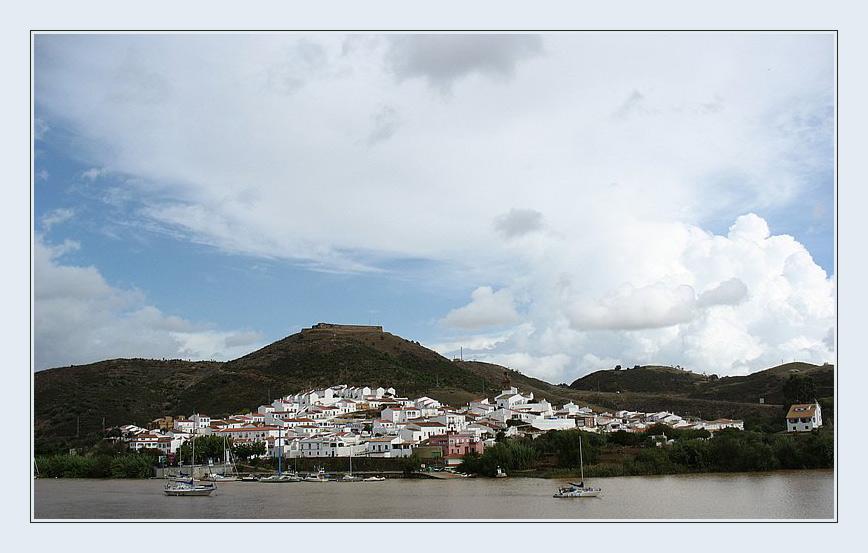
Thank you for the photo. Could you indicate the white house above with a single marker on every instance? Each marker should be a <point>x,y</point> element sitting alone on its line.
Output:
<point>510,397</point>
<point>804,417</point>
<point>401,414</point>
<point>552,423</point>
<point>720,424</point>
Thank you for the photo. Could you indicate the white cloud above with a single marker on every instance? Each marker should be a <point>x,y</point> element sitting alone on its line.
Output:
<point>762,300</point>
<point>487,309</point>
<point>604,169</point>
<point>56,217</point>
<point>80,318</point>
<point>518,222</point>
<point>631,308</point>
<point>443,59</point>
<point>728,292</point>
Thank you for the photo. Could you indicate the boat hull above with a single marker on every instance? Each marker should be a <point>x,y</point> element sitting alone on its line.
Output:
<point>577,493</point>
<point>192,490</point>
<point>279,479</point>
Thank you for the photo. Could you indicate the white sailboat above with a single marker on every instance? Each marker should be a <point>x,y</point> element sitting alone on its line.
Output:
<point>189,487</point>
<point>348,477</point>
<point>579,490</point>
<point>227,460</point>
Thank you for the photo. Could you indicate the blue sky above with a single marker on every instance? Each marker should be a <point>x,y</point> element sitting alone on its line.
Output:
<point>556,203</point>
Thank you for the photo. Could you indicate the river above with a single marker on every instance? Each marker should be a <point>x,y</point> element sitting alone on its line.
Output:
<point>790,495</point>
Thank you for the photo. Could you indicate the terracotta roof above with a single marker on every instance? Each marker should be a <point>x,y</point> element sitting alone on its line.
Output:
<point>801,410</point>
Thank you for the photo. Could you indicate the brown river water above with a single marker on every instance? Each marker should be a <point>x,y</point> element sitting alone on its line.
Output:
<point>783,495</point>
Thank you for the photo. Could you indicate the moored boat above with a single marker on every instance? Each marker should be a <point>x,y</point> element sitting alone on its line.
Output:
<point>184,486</point>
<point>188,487</point>
<point>578,490</point>
<point>319,476</point>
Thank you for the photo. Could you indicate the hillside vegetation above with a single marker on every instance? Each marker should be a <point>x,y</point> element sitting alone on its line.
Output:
<point>74,405</point>
<point>767,384</point>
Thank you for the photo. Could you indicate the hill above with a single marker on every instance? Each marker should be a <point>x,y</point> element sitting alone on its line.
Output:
<point>767,384</point>
<point>74,405</point>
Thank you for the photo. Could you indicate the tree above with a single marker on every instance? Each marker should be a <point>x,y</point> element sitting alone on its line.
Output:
<point>207,447</point>
<point>411,464</point>
<point>246,451</point>
<point>799,388</point>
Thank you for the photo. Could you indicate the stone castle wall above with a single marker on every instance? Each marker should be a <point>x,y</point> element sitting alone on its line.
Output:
<point>331,328</point>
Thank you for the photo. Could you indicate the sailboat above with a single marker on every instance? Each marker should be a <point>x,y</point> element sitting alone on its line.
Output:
<point>182,486</point>
<point>348,477</point>
<point>280,477</point>
<point>227,460</point>
<point>578,490</point>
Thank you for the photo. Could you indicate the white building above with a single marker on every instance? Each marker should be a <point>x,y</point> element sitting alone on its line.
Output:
<point>804,417</point>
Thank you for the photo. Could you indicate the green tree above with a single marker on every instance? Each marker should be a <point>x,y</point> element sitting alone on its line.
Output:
<point>471,463</point>
<point>691,454</point>
<point>245,451</point>
<point>799,388</point>
<point>411,464</point>
<point>207,447</point>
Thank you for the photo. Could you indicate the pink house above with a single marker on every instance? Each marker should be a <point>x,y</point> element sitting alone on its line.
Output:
<point>453,443</point>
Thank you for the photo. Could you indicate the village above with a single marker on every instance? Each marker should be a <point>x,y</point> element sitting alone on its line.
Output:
<point>353,421</point>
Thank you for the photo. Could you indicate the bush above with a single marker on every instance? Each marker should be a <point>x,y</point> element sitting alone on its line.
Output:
<point>131,466</point>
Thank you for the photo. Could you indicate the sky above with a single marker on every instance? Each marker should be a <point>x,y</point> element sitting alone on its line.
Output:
<point>556,203</point>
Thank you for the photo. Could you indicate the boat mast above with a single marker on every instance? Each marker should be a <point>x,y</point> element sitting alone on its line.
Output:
<point>193,458</point>
<point>581,460</point>
<point>279,451</point>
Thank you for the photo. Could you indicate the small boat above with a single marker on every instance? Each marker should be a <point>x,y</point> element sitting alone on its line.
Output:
<point>374,479</point>
<point>348,477</point>
<point>578,490</point>
<point>279,478</point>
<point>227,460</point>
<point>219,477</point>
<point>183,486</point>
<point>320,476</point>
<point>188,487</point>
<point>250,478</point>
<point>500,473</point>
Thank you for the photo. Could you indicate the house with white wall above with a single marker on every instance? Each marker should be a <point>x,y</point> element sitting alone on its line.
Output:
<point>804,417</point>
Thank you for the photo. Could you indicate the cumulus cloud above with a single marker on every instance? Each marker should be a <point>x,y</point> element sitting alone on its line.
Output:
<point>762,300</point>
<point>630,308</point>
<point>80,318</point>
<point>728,292</point>
<point>486,309</point>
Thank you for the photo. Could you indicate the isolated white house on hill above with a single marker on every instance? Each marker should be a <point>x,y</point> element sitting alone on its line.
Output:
<point>804,417</point>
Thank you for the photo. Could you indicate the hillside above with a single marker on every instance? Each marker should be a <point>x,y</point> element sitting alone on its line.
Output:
<point>672,382</point>
<point>73,405</point>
